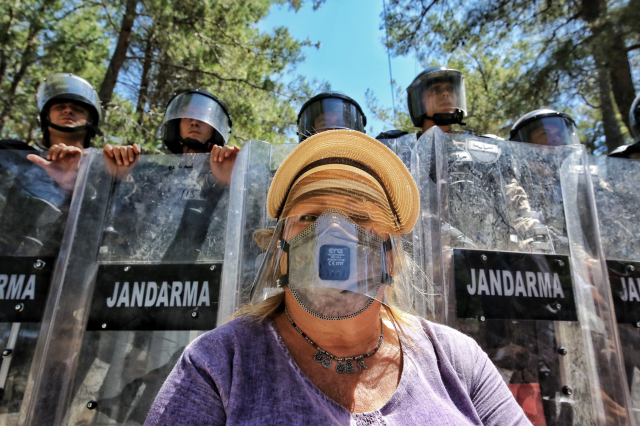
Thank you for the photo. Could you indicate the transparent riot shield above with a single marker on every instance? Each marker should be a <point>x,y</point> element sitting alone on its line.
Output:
<point>249,227</point>
<point>523,272</point>
<point>34,203</point>
<point>618,202</point>
<point>140,281</point>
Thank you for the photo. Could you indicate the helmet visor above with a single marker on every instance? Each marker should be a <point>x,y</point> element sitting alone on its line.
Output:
<point>329,114</point>
<point>437,93</point>
<point>67,86</point>
<point>335,263</point>
<point>199,107</point>
<point>550,131</point>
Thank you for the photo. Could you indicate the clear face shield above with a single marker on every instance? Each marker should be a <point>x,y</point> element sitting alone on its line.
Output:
<point>329,114</point>
<point>198,107</point>
<point>332,254</point>
<point>550,131</point>
<point>439,92</point>
<point>71,87</point>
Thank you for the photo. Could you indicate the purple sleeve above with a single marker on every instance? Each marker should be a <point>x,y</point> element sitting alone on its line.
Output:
<point>492,398</point>
<point>188,397</point>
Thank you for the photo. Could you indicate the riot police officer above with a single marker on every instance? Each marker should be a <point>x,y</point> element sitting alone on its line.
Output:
<point>545,127</point>
<point>330,111</point>
<point>436,97</point>
<point>195,121</point>
<point>631,151</point>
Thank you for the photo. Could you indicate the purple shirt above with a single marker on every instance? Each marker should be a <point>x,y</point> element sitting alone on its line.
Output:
<point>242,373</point>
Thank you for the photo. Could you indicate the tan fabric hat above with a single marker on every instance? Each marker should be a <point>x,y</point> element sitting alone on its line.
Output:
<point>347,162</point>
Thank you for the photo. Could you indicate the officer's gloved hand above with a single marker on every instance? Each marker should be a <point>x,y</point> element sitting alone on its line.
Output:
<point>62,164</point>
<point>517,196</point>
<point>120,160</point>
<point>222,160</point>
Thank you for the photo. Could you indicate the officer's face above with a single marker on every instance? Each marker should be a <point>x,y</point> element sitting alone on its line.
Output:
<point>195,129</point>
<point>68,114</point>
<point>549,134</point>
<point>439,98</point>
<point>328,121</point>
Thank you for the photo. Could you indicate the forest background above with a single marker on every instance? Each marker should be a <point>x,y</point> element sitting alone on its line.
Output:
<point>577,56</point>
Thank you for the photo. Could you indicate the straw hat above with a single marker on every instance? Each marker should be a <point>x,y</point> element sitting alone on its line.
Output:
<point>347,162</point>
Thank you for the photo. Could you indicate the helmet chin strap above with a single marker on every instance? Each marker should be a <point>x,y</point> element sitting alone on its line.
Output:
<point>196,144</point>
<point>76,129</point>
<point>447,118</point>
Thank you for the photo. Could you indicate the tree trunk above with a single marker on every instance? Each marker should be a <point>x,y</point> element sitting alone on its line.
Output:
<point>620,73</point>
<point>119,55</point>
<point>609,120</point>
<point>4,42</point>
<point>28,58</point>
<point>144,80</point>
<point>593,10</point>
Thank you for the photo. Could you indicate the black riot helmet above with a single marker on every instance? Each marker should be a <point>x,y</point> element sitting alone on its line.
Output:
<point>66,87</point>
<point>545,127</point>
<point>199,105</point>
<point>327,111</point>
<point>634,119</point>
<point>437,93</point>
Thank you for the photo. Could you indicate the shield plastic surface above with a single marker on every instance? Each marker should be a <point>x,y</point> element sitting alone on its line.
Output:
<point>501,201</point>
<point>33,213</point>
<point>140,282</point>
<point>618,202</point>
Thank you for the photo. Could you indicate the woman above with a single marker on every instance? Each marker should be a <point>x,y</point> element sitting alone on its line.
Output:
<point>328,338</point>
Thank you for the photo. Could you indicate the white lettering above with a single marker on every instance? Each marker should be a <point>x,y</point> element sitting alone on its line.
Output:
<point>633,291</point>
<point>190,294</point>
<point>30,290</point>
<point>531,284</point>
<point>482,283</point>
<point>544,284</point>
<point>137,296</point>
<point>496,285</point>
<point>507,280</point>
<point>176,289</point>
<point>557,287</point>
<point>204,295</point>
<point>151,300</point>
<point>624,290</point>
<point>163,297</point>
<point>124,296</point>
<point>520,285</point>
<point>15,286</point>
<point>471,289</point>
<point>111,302</point>
<point>4,279</point>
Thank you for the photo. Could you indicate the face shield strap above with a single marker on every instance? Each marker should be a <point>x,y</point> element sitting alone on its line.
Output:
<point>447,118</point>
<point>346,162</point>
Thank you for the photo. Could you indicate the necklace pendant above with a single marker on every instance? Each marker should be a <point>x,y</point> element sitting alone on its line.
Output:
<point>341,368</point>
<point>361,365</point>
<point>319,357</point>
<point>326,363</point>
<point>350,367</point>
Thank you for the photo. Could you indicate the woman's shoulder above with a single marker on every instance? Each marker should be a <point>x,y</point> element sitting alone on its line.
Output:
<point>449,342</point>
<point>225,340</point>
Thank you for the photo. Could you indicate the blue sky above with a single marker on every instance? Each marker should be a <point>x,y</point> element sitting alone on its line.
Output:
<point>352,57</point>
